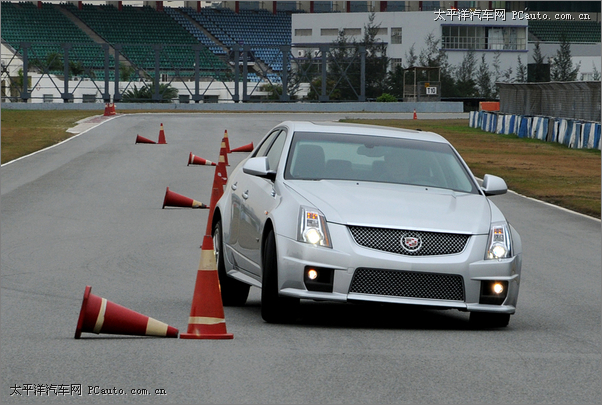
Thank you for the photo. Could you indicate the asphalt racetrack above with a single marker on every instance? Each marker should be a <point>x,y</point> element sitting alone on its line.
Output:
<point>88,212</point>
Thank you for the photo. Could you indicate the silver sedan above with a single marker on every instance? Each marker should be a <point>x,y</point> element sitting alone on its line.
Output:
<point>341,212</point>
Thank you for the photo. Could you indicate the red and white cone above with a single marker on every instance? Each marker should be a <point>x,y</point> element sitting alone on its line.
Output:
<point>161,136</point>
<point>141,139</point>
<point>172,199</point>
<point>195,160</point>
<point>245,148</point>
<point>226,141</point>
<point>223,152</point>
<point>415,116</point>
<point>207,319</point>
<point>98,315</point>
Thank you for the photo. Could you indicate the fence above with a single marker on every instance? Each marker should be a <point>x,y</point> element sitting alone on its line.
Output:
<point>566,100</point>
<point>276,73</point>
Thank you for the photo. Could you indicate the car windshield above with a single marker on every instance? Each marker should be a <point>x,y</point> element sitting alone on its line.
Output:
<point>320,156</point>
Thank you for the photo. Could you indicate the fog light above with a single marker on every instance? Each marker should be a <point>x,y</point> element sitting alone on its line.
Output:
<point>493,292</point>
<point>498,288</point>
<point>318,278</point>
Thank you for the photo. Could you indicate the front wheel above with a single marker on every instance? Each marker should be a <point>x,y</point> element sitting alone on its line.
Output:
<point>234,292</point>
<point>274,308</point>
<point>488,320</point>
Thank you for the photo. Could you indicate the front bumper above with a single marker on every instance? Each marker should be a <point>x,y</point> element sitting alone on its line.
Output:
<point>346,257</point>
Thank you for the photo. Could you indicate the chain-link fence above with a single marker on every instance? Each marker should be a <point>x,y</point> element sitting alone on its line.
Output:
<point>569,100</point>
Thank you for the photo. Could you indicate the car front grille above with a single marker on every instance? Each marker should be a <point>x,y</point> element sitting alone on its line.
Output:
<point>392,240</point>
<point>408,284</point>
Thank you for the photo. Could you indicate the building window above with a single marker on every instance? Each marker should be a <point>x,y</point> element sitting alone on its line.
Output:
<point>396,35</point>
<point>352,31</point>
<point>430,5</point>
<point>382,31</point>
<point>303,32</point>
<point>325,32</point>
<point>484,38</point>
<point>395,62</point>
<point>89,98</point>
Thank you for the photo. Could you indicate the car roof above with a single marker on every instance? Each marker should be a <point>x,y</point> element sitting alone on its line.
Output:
<point>362,129</point>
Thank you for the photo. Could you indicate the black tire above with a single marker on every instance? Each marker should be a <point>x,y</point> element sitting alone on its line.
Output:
<point>274,308</point>
<point>479,320</point>
<point>234,292</point>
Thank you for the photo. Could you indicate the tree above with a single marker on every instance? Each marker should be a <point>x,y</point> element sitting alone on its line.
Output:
<point>145,94</point>
<point>539,71</point>
<point>411,57</point>
<point>595,72</point>
<point>484,79</point>
<point>521,72</point>
<point>465,83</point>
<point>394,82</point>
<point>562,65</point>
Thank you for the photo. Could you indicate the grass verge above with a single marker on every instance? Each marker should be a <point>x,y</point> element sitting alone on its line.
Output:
<point>24,132</point>
<point>546,171</point>
<point>549,172</point>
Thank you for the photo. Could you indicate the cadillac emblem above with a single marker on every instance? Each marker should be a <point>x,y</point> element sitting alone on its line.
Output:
<point>411,243</point>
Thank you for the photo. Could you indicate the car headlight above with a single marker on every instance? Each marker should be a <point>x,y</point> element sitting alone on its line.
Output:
<point>500,242</point>
<point>313,228</point>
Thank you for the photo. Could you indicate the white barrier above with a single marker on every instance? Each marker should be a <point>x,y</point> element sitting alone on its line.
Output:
<point>571,133</point>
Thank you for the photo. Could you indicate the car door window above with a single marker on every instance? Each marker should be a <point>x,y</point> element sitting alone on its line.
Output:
<point>275,151</point>
<point>261,151</point>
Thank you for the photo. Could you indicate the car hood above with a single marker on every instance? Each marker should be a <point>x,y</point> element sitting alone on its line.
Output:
<point>397,206</point>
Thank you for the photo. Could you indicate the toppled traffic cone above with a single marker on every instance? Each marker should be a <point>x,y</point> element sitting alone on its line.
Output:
<point>177,200</point>
<point>415,116</point>
<point>161,136</point>
<point>195,160</point>
<point>245,148</point>
<point>206,319</point>
<point>98,315</point>
<point>141,139</point>
<point>227,142</point>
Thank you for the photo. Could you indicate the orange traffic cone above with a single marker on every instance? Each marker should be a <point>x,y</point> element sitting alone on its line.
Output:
<point>225,139</point>
<point>206,319</point>
<point>177,200</point>
<point>141,139</point>
<point>195,160</point>
<point>107,110</point>
<point>161,136</point>
<point>98,315</point>
<point>112,109</point>
<point>223,152</point>
<point>415,116</point>
<point>245,148</point>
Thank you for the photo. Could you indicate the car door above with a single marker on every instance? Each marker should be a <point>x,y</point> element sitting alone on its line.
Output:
<point>259,198</point>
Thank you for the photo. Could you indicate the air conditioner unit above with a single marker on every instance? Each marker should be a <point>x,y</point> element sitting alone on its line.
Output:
<point>300,53</point>
<point>315,53</point>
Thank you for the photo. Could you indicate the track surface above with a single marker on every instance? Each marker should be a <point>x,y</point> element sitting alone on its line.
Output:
<point>88,212</point>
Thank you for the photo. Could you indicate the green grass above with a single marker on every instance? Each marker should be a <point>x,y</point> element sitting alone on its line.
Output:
<point>547,171</point>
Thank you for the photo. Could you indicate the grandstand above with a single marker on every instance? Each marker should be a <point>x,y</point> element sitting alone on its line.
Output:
<point>573,31</point>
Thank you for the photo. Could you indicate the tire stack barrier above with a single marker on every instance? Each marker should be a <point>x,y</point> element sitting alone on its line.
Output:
<point>571,133</point>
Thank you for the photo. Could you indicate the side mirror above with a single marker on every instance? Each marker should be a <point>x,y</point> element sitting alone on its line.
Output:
<point>493,185</point>
<point>260,167</point>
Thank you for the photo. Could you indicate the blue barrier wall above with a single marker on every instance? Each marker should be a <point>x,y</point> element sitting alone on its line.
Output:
<point>571,133</point>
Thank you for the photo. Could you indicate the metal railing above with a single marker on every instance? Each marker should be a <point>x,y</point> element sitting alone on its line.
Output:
<point>327,72</point>
<point>569,100</point>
